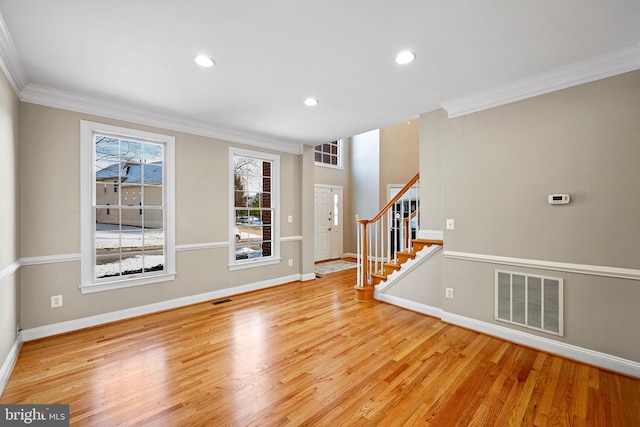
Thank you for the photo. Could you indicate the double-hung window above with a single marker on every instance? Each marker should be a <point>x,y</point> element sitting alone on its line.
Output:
<point>254,214</point>
<point>127,210</point>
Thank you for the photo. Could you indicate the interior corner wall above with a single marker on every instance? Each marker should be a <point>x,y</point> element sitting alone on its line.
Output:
<point>306,211</point>
<point>9,219</point>
<point>50,221</point>
<point>431,170</point>
<point>399,155</point>
<point>498,168</point>
<point>365,177</point>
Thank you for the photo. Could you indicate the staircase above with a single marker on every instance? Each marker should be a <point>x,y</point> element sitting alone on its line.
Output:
<point>401,258</point>
<point>388,240</point>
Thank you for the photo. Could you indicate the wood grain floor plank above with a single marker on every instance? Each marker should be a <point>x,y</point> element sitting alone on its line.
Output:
<point>307,354</point>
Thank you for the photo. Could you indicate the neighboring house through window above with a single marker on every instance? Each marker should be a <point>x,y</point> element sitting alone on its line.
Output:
<point>127,208</point>
<point>254,201</point>
<point>329,154</point>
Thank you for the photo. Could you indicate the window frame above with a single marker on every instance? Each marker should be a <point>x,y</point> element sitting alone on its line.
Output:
<point>339,155</point>
<point>89,283</point>
<point>274,258</point>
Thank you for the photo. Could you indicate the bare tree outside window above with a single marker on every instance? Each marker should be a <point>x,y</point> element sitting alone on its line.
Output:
<point>252,207</point>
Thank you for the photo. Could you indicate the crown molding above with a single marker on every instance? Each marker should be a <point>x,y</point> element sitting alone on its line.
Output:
<point>9,61</point>
<point>607,65</point>
<point>66,100</point>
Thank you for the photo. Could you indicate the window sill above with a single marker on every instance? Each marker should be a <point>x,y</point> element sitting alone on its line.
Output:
<point>126,283</point>
<point>256,262</point>
<point>325,165</point>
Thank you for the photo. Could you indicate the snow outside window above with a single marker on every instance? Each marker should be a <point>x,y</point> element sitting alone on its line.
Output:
<point>127,207</point>
<point>254,208</point>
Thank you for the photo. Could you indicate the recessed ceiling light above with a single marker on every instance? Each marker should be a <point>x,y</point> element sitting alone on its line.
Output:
<point>310,102</point>
<point>405,57</point>
<point>203,61</point>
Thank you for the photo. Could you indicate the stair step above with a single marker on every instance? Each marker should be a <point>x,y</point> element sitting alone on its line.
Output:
<point>377,278</point>
<point>390,267</point>
<point>403,257</point>
<point>419,244</point>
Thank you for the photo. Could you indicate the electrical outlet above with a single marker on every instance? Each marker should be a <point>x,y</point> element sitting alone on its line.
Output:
<point>56,301</point>
<point>451,224</point>
<point>448,293</point>
<point>290,262</point>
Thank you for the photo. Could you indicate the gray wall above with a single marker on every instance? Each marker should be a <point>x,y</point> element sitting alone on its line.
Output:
<point>365,181</point>
<point>498,167</point>
<point>49,167</point>
<point>399,155</point>
<point>9,218</point>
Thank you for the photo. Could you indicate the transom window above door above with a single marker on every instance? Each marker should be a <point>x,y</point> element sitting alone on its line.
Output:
<point>329,154</point>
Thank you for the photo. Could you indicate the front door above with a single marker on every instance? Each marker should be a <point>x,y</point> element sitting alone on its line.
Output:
<point>327,223</point>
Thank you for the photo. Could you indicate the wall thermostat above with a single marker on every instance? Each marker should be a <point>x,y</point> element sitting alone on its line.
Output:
<point>559,199</point>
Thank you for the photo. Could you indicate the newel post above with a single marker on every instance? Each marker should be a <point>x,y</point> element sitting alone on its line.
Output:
<point>364,292</point>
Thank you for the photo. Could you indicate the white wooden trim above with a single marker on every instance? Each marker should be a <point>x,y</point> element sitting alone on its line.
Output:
<point>594,270</point>
<point>9,270</point>
<point>10,61</point>
<point>431,234</point>
<point>408,304</point>
<point>235,264</point>
<point>426,253</point>
<point>291,239</point>
<point>580,354</point>
<point>198,246</point>
<point>66,100</point>
<point>307,277</point>
<point>88,200</point>
<point>49,259</point>
<point>607,65</point>
<point>100,319</point>
<point>9,362</point>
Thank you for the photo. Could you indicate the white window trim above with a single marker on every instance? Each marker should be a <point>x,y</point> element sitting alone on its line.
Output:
<point>87,199</point>
<point>235,264</point>
<point>339,166</point>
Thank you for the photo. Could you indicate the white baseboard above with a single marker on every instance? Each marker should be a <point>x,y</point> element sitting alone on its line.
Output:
<point>306,277</point>
<point>9,363</point>
<point>100,319</point>
<point>580,354</point>
<point>409,305</point>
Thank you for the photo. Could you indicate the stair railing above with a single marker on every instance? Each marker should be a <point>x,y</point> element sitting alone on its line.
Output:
<point>381,237</point>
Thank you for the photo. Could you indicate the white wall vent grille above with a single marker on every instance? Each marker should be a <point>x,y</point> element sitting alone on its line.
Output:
<point>535,302</point>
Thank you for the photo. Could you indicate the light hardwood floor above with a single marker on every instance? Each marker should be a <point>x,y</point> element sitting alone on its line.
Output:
<point>308,354</point>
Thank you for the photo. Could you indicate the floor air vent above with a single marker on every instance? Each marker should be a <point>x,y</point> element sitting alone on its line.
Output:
<point>221,301</point>
<point>531,301</point>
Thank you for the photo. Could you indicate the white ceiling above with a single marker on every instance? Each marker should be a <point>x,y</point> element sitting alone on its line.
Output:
<point>271,55</point>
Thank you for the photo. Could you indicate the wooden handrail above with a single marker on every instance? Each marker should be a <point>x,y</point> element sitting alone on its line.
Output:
<point>392,201</point>
<point>364,259</point>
